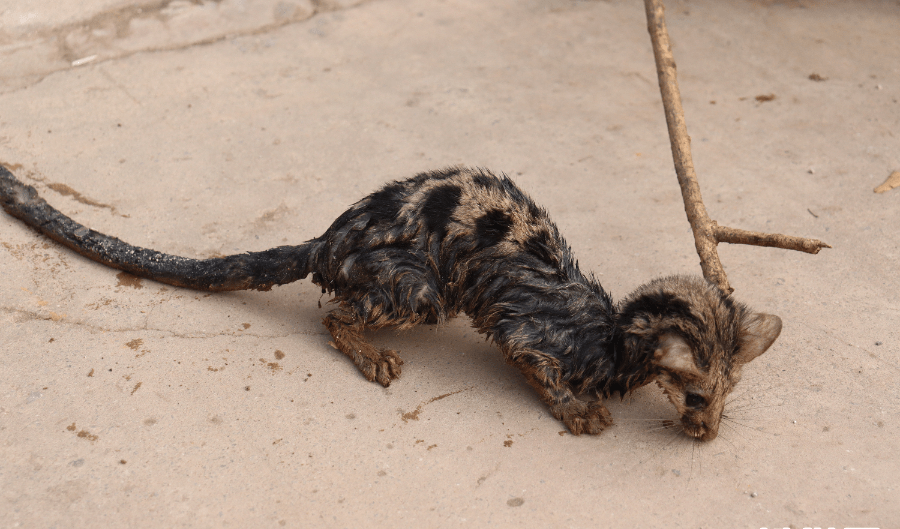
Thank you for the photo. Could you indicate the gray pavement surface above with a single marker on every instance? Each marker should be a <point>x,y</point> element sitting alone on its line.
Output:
<point>207,128</point>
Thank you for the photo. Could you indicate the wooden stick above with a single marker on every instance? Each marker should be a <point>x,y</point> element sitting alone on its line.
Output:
<point>707,234</point>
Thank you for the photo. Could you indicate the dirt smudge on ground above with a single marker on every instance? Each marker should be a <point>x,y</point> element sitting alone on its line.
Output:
<point>83,434</point>
<point>128,280</point>
<point>414,415</point>
<point>67,191</point>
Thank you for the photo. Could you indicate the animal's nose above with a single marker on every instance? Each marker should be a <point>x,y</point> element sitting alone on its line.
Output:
<point>709,433</point>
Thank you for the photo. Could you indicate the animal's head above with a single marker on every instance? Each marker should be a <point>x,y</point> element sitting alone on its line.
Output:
<point>697,339</point>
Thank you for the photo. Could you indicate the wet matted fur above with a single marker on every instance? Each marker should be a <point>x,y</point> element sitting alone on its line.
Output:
<point>467,241</point>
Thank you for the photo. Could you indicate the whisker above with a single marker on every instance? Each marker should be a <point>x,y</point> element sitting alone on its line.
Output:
<point>677,433</point>
<point>658,428</point>
<point>663,427</point>
<point>739,433</point>
<point>727,440</point>
<point>753,399</point>
<point>735,430</point>
<point>637,419</point>
<point>738,422</point>
<point>748,422</point>
<point>694,449</point>
<point>753,390</point>
<point>738,396</point>
<point>666,424</point>
<point>675,436</point>
<point>699,459</point>
<point>743,428</point>
<point>732,423</point>
<point>749,407</point>
<point>747,418</point>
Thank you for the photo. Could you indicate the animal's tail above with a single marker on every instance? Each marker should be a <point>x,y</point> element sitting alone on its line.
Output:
<point>254,270</point>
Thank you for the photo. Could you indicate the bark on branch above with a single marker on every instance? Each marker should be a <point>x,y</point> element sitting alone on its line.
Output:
<point>707,234</point>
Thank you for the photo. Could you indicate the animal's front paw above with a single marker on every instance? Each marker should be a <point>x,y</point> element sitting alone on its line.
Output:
<point>586,417</point>
<point>384,368</point>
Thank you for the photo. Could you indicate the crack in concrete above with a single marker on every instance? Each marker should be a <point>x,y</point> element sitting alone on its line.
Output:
<point>112,35</point>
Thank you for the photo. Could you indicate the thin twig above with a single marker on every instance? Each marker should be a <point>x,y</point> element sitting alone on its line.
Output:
<point>707,234</point>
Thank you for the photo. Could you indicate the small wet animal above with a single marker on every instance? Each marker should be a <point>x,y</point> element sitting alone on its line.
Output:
<point>460,240</point>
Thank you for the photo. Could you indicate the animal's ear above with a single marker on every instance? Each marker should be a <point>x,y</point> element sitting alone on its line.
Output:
<point>759,333</point>
<point>675,354</point>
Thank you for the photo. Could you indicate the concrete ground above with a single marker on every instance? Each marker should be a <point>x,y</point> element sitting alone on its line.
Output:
<point>206,128</point>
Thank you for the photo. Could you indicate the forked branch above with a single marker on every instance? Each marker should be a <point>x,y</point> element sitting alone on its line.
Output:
<point>707,234</point>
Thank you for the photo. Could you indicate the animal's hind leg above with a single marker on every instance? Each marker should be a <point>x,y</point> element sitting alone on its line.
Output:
<point>346,327</point>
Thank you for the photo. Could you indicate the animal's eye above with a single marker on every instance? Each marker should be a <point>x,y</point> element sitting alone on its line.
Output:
<point>692,400</point>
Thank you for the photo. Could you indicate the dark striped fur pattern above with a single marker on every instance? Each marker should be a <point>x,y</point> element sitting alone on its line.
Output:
<point>461,240</point>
